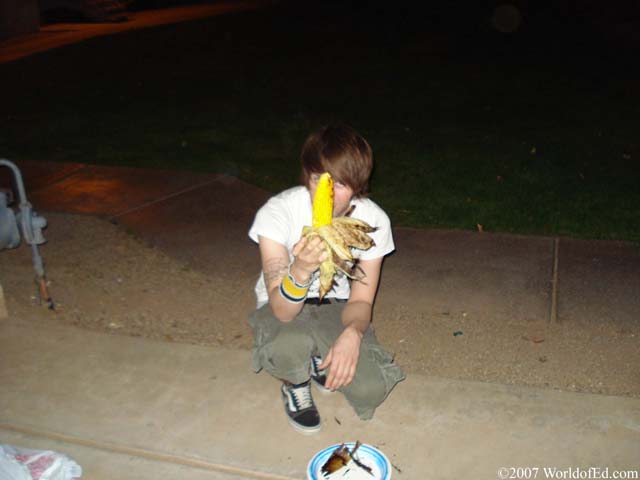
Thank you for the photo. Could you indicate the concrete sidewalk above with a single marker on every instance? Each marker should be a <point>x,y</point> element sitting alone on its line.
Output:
<point>150,408</point>
<point>133,408</point>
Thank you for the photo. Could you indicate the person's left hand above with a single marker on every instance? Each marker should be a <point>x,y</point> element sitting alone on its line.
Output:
<point>342,359</point>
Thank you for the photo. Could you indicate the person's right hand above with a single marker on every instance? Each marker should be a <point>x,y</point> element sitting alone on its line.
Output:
<point>307,257</point>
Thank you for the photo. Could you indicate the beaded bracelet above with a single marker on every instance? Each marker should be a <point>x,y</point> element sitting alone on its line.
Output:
<point>295,282</point>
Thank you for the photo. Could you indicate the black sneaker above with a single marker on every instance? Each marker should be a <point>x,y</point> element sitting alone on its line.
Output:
<point>318,376</point>
<point>301,411</point>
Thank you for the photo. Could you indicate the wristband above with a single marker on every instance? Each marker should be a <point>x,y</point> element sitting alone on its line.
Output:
<point>292,291</point>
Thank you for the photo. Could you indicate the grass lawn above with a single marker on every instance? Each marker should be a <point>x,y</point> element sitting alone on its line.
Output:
<point>526,133</point>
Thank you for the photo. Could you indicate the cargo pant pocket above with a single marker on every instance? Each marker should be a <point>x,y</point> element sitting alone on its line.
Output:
<point>391,373</point>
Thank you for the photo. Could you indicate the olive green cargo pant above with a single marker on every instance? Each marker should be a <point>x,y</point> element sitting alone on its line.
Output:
<point>284,350</point>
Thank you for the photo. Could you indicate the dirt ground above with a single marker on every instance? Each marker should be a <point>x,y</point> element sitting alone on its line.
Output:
<point>106,279</point>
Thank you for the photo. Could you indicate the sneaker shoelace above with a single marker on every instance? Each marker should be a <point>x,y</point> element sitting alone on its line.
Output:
<point>302,396</point>
<point>316,366</point>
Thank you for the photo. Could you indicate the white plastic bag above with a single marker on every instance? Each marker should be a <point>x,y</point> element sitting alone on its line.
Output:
<point>25,464</point>
<point>11,469</point>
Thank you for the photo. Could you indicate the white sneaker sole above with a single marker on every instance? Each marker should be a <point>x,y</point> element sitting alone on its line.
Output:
<point>303,430</point>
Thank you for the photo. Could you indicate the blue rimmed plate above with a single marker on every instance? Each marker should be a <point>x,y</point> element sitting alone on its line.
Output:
<point>366,454</point>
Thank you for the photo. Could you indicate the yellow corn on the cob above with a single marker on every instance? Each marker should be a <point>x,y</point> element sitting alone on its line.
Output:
<point>323,201</point>
<point>339,234</point>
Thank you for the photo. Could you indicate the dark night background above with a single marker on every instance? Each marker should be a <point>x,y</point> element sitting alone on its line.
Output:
<point>522,115</point>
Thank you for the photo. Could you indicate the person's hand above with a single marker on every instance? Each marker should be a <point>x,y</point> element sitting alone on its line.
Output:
<point>342,359</point>
<point>308,255</point>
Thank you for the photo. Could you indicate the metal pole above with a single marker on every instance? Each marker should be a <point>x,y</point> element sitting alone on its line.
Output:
<point>18,175</point>
<point>31,225</point>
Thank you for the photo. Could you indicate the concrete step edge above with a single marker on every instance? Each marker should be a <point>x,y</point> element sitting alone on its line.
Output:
<point>147,454</point>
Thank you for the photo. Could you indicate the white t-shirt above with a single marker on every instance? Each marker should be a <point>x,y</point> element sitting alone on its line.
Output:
<point>281,219</point>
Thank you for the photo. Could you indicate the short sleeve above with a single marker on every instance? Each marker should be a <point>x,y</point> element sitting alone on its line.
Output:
<point>272,221</point>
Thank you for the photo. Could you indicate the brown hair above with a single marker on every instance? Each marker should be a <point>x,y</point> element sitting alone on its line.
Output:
<point>341,151</point>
